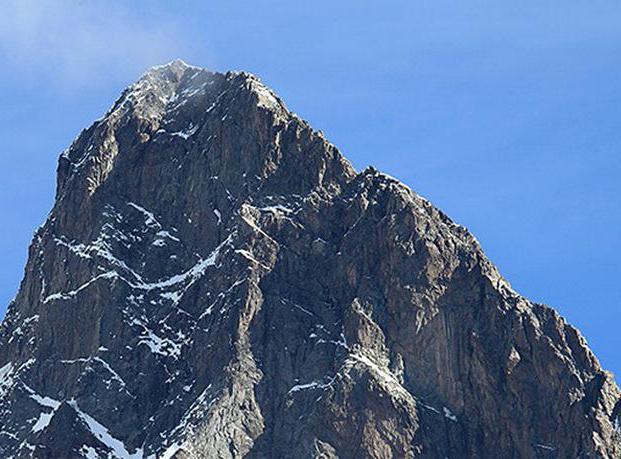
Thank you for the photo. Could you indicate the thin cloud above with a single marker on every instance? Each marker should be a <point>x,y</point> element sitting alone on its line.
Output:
<point>70,42</point>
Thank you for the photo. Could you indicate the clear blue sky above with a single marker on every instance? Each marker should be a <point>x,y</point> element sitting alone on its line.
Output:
<point>506,115</point>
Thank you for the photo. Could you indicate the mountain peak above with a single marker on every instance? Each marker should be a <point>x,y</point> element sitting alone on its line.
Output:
<point>170,103</point>
<point>215,280</point>
<point>176,66</point>
<point>175,63</point>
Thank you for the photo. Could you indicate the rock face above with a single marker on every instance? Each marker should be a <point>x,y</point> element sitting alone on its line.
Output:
<point>216,281</point>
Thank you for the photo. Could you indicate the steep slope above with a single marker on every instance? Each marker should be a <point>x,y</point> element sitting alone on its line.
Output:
<point>215,280</point>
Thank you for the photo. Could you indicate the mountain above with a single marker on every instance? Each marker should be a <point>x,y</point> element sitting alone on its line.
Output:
<point>216,281</point>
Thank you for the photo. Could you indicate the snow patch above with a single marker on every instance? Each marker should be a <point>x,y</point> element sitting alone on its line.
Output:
<point>311,386</point>
<point>44,401</point>
<point>448,414</point>
<point>71,294</point>
<point>171,451</point>
<point>44,417</point>
<point>89,452</point>
<point>43,421</point>
<point>190,276</point>
<point>150,219</point>
<point>276,209</point>
<point>186,134</point>
<point>166,234</point>
<point>117,447</point>
<point>265,97</point>
<point>6,378</point>
<point>546,447</point>
<point>158,345</point>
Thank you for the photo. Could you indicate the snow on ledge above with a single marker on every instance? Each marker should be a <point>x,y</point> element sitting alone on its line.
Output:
<point>101,432</point>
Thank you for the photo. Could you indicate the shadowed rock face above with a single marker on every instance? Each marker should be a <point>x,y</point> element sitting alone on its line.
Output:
<point>215,280</point>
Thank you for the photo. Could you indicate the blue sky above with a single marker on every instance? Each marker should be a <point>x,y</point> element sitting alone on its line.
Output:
<point>507,117</point>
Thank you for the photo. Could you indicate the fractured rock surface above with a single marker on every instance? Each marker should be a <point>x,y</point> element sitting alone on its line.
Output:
<point>215,280</point>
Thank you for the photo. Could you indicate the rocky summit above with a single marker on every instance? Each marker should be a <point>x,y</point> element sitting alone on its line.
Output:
<point>216,281</point>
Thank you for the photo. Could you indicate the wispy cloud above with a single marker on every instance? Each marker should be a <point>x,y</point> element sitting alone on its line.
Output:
<point>73,42</point>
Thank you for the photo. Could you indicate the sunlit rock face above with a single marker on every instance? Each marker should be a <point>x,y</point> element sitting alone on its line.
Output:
<point>216,281</point>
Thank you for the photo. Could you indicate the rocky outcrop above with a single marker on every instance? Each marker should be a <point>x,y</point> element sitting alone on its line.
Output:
<point>216,280</point>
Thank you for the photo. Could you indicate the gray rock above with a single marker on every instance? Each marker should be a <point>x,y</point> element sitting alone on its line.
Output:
<point>216,280</point>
